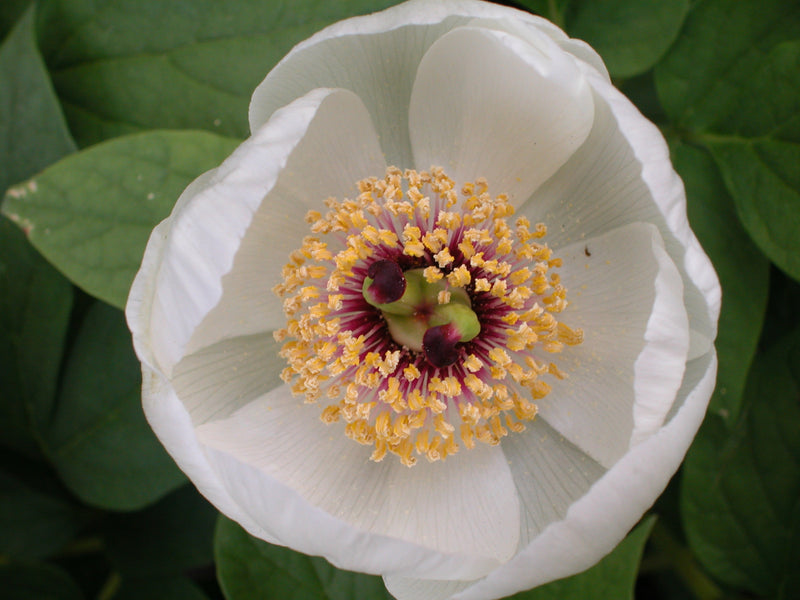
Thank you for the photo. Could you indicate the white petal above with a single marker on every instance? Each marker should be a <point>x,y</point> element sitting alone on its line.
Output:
<point>599,520</point>
<point>216,381</point>
<point>139,305</point>
<point>550,474</point>
<point>488,104</point>
<point>622,174</point>
<point>464,507</point>
<point>171,423</point>
<point>183,267</point>
<point>376,56</point>
<point>339,148</point>
<point>531,28</point>
<point>407,588</point>
<point>627,297</point>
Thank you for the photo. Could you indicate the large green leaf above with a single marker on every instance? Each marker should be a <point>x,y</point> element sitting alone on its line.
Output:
<point>91,213</point>
<point>35,305</point>
<point>613,577</point>
<point>190,64</point>
<point>182,522</point>
<point>630,36</point>
<point>10,11</point>
<point>37,516</point>
<point>99,441</point>
<point>763,177</point>
<point>741,492</point>
<point>731,83</point>
<point>743,273</point>
<point>33,133</point>
<point>718,59</point>
<point>35,300</point>
<point>553,10</point>
<point>249,569</point>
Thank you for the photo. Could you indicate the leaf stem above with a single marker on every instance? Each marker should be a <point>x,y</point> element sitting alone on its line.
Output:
<point>110,587</point>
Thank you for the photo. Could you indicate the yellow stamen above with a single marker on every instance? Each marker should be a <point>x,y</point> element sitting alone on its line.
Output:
<point>388,396</point>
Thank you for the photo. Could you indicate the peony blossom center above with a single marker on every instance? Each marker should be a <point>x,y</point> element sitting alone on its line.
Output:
<point>420,318</point>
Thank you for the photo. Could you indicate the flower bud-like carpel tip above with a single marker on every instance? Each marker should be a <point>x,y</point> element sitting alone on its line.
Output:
<point>384,283</point>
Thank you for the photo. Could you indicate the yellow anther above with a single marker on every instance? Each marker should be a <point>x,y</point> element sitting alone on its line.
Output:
<point>482,285</point>
<point>443,257</point>
<point>473,363</point>
<point>459,277</point>
<point>394,399</point>
<point>411,373</point>
<point>432,274</point>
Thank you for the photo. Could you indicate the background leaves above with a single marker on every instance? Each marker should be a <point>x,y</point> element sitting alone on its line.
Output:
<point>613,577</point>
<point>32,127</point>
<point>712,85</point>
<point>741,491</point>
<point>249,568</point>
<point>91,214</point>
<point>173,65</point>
<point>98,440</point>
<point>156,93</point>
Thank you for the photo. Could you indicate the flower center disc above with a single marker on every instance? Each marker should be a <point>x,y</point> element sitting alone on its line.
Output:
<point>421,319</point>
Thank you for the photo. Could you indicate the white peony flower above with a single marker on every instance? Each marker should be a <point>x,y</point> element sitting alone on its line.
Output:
<point>353,348</point>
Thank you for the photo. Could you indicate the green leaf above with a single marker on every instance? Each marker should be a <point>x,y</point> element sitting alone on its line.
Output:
<point>99,441</point>
<point>553,10</point>
<point>37,517</point>
<point>743,273</point>
<point>763,178</point>
<point>91,213</point>
<point>34,581</point>
<point>613,577</point>
<point>741,491</point>
<point>34,313</point>
<point>190,64</point>
<point>630,36</point>
<point>183,523</point>
<point>718,64</point>
<point>249,569</point>
<point>172,588</point>
<point>731,83</point>
<point>33,133</point>
<point>10,11</point>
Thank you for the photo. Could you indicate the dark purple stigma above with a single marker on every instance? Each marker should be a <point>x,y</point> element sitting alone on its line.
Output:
<point>388,283</point>
<point>439,345</point>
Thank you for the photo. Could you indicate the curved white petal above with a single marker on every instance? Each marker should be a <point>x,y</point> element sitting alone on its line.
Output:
<point>466,506</point>
<point>139,305</point>
<point>622,174</point>
<point>173,426</point>
<point>408,588</point>
<point>488,104</point>
<point>183,269</point>
<point>627,296</point>
<point>550,474</point>
<point>375,56</point>
<point>531,31</point>
<point>219,379</point>
<point>339,148</point>
<point>599,520</point>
